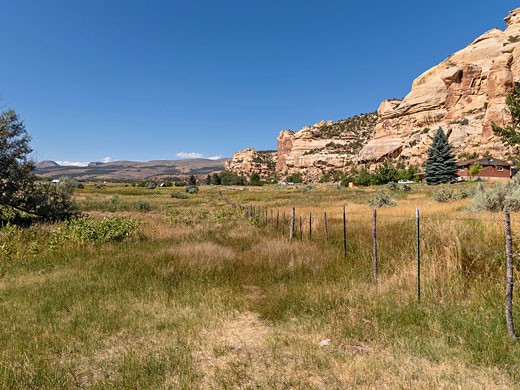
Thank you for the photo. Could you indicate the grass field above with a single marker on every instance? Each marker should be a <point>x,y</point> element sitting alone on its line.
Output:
<point>203,298</point>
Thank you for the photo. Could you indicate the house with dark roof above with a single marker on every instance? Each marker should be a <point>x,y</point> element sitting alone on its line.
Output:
<point>492,168</point>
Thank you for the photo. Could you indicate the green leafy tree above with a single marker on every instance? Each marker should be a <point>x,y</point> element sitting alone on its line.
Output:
<point>295,178</point>
<point>385,173</point>
<point>440,165</point>
<point>255,180</point>
<point>510,134</point>
<point>18,187</point>
<point>364,178</point>
<point>475,169</point>
<point>215,179</point>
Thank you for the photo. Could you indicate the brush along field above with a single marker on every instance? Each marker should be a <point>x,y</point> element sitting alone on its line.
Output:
<point>189,294</point>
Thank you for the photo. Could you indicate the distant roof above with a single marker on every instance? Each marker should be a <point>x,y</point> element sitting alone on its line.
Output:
<point>485,161</point>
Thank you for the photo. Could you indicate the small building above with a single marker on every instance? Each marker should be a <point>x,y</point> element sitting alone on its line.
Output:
<point>55,181</point>
<point>492,168</point>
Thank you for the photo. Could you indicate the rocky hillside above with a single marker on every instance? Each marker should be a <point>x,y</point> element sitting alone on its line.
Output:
<point>464,94</point>
<point>249,161</point>
<point>312,150</point>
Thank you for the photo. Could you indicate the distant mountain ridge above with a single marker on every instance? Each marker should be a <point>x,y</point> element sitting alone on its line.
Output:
<point>133,170</point>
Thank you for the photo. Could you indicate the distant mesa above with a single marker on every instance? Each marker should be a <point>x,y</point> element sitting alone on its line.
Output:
<point>174,170</point>
<point>47,164</point>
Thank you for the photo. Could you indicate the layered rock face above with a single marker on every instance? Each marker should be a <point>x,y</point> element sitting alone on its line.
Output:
<point>316,149</point>
<point>464,94</point>
<point>249,161</point>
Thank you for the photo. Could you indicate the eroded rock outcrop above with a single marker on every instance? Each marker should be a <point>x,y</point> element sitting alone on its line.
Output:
<point>249,161</point>
<point>464,94</point>
<point>316,149</point>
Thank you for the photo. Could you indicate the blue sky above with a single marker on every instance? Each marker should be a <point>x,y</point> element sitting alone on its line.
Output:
<point>142,80</point>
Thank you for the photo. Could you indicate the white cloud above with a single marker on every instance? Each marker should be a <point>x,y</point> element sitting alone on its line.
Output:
<point>72,163</point>
<point>189,155</point>
<point>107,159</point>
<point>215,158</point>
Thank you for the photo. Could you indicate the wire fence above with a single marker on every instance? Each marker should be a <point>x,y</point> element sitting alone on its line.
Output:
<point>354,232</point>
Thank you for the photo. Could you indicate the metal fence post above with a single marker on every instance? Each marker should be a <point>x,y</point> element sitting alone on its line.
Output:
<point>374,237</point>
<point>326,230</point>
<point>291,227</point>
<point>418,255</point>
<point>509,277</point>
<point>277,217</point>
<point>344,232</point>
<point>271,217</point>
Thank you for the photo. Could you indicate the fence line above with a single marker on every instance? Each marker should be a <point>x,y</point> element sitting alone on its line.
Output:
<point>260,216</point>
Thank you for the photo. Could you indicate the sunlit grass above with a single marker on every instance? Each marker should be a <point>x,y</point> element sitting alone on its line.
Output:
<point>203,298</point>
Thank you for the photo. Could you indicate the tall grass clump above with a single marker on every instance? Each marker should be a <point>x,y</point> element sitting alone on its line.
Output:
<point>497,198</point>
<point>143,205</point>
<point>381,199</point>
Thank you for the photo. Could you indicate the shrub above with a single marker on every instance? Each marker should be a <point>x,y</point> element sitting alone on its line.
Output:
<point>141,184</point>
<point>444,195</point>
<point>112,207</point>
<point>179,195</point>
<point>151,185</point>
<point>191,189</point>
<point>307,188</point>
<point>382,199</point>
<point>464,193</point>
<point>104,230</point>
<point>498,198</point>
<point>392,186</point>
<point>406,187</point>
<point>143,205</point>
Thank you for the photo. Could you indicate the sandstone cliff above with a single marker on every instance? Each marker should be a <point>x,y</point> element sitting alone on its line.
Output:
<point>249,161</point>
<point>463,94</point>
<point>313,150</point>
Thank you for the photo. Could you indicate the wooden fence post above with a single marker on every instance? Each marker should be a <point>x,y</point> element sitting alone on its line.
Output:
<point>277,218</point>
<point>509,277</point>
<point>283,224</point>
<point>326,230</point>
<point>374,237</point>
<point>271,217</point>
<point>291,228</point>
<point>344,232</point>
<point>301,231</point>
<point>418,254</point>
<point>310,226</point>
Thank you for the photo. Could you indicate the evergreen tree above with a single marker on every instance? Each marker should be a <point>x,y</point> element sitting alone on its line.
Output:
<point>440,165</point>
<point>208,180</point>
<point>193,181</point>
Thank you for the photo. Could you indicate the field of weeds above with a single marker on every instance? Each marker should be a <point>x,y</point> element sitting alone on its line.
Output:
<point>153,291</point>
